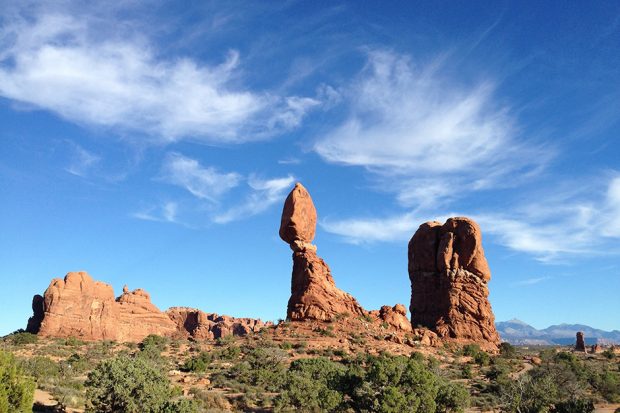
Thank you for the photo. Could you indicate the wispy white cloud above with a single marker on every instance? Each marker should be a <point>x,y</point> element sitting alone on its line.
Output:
<point>204,182</point>
<point>577,223</point>
<point>563,225</point>
<point>530,281</point>
<point>82,161</point>
<point>218,197</point>
<point>289,161</point>
<point>414,124</point>
<point>167,212</point>
<point>368,230</point>
<point>60,62</point>
<point>264,194</point>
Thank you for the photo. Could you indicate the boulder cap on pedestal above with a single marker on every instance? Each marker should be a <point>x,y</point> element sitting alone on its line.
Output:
<point>298,221</point>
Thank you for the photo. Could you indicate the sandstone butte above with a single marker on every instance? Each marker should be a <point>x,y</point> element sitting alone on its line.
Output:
<point>449,275</point>
<point>78,306</point>
<point>314,295</point>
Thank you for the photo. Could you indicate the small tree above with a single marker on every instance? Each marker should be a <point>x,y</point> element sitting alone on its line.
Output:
<point>130,385</point>
<point>16,390</point>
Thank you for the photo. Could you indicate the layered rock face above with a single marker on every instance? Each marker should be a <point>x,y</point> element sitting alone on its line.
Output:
<point>314,294</point>
<point>78,306</point>
<point>449,275</point>
<point>201,325</point>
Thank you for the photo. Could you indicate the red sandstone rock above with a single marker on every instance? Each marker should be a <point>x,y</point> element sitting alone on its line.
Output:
<point>298,216</point>
<point>580,344</point>
<point>80,307</point>
<point>34,322</point>
<point>201,325</point>
<point>395,317</point>
<point>449,275</point>
<point>314,294</point>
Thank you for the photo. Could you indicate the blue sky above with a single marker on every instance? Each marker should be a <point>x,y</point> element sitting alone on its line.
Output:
<point>152,144</point>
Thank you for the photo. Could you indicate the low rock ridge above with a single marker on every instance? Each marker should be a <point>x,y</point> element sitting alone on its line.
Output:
<point>200,325</point>
<point>78,306</point>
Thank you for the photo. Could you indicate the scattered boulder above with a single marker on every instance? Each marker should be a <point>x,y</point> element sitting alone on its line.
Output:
<point>580,344</point>
<point>596,348</point>
<point>314,295</point>
<point>449,275</point>
<point>396,317</point>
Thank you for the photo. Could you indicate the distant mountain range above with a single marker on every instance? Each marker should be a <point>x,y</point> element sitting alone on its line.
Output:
<point>517,332</point>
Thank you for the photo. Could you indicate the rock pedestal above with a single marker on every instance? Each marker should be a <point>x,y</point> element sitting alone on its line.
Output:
<point>314,295</point>
<point>580,344</point>
<point>449,275</point>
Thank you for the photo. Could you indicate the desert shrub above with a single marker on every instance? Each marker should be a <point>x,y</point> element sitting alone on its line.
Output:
<point>130,385</point>
<point>16,389</point>
<point>286,345</point>
<point>452,398</point>
<point>20,338</point>
<point>225,340</point>
<point>607,384</point>
<point>41,368</point>
<point>75,364</point>
<point>394,384</point>
<point>263,367</point>
<point>609,354</point>
<point>231,352</point>
<point>151,348</point>
<point>507,350</point>
<point>180,406</point>
<point>471,350</point>
<point>154,341</point>
<point>72,342</point>
<point>560,384</point>
<point>198,364</point>
<point>311,385</point>
<point>574,406</point>
<point>210,399</point>
<point>467,372</point>
<point>301,346</point>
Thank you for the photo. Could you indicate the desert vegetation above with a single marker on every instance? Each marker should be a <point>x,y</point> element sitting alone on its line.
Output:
<point>263,373</point>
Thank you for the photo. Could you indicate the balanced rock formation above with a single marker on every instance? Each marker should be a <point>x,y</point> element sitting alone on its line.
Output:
<point>78,306</point>
<point>314,294</point>
<point>580,344</point>
<point>201,325</point>
<point>449,275</point>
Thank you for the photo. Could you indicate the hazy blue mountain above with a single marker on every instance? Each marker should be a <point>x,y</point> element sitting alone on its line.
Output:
<point>518,332</point>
